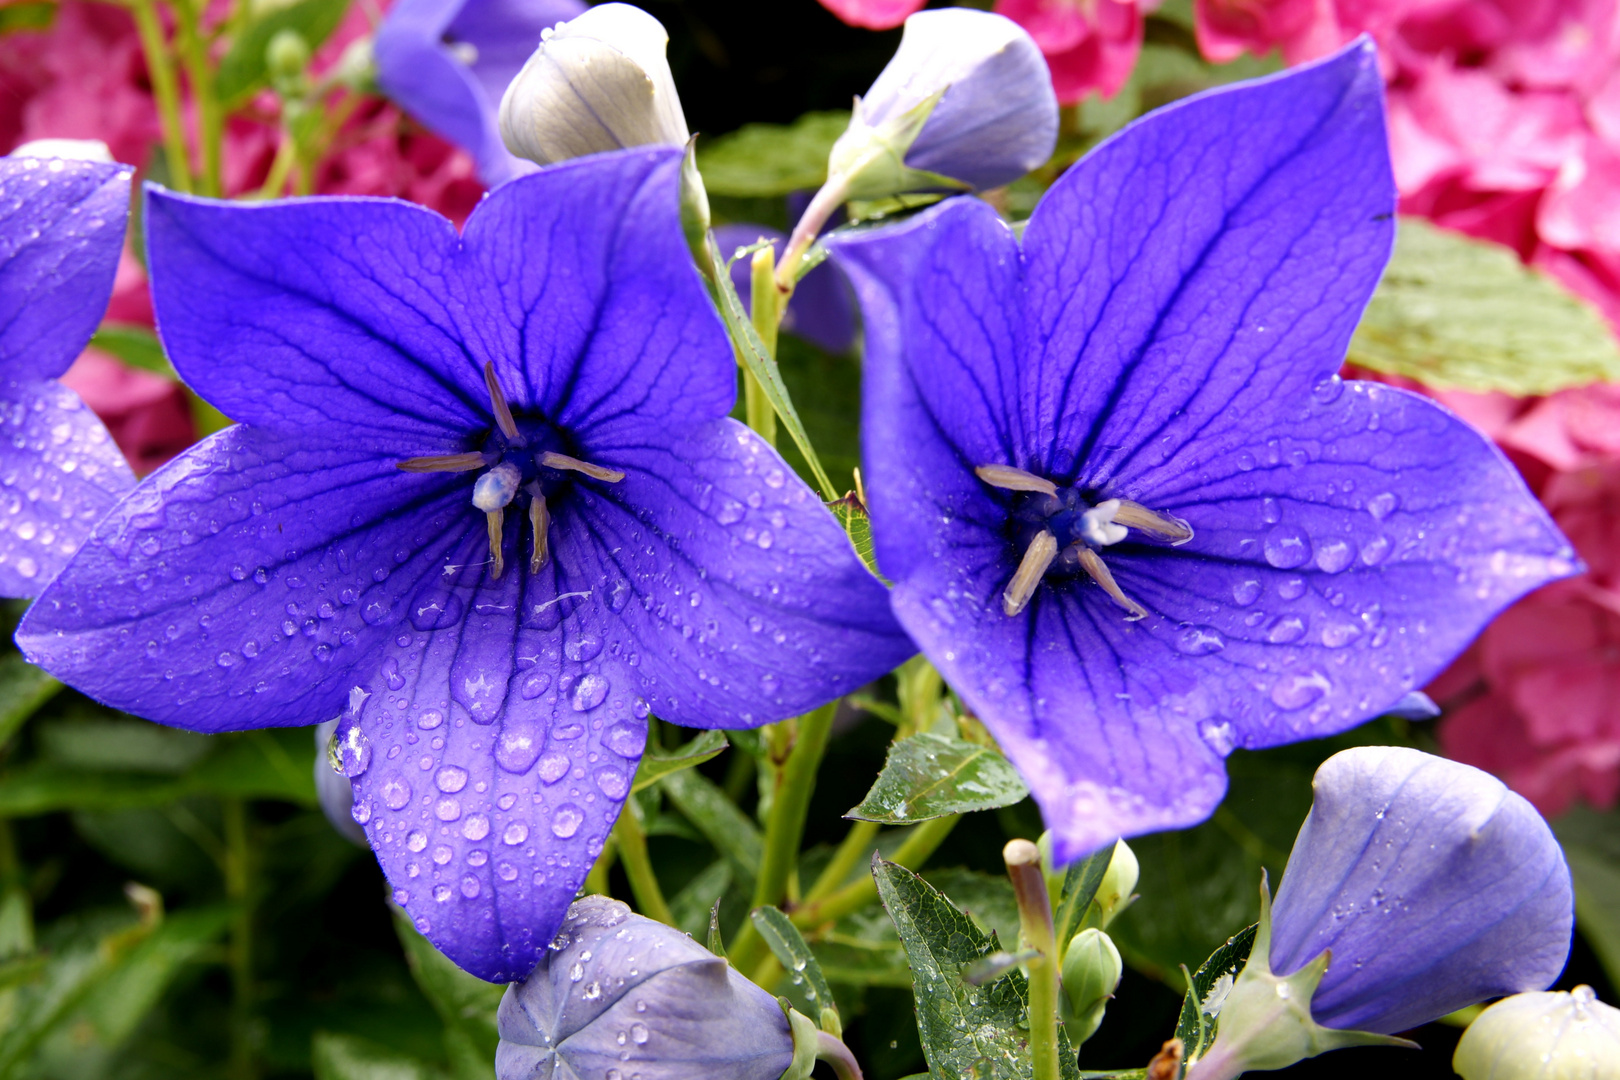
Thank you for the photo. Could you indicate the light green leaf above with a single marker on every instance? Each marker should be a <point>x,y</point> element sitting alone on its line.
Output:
<point>121,999</point>
<point>134,345</point>
<point>796,959</point>
<point>654,767</point>
<point>731,832</point>
<point>1209,984</point>
<point>1591,843</point>
<point>929,776</point>
<point>1080,884</point>
<point>349,1057</point>
<point>268,764</point>
<point>45,787</point>
<point>1455,313</point>
<point>771,159</point>
<point>762,366</point>
<point>23,689</point>
<point>125,746</point>
<point>243,69</point>
<point>465,1003</point>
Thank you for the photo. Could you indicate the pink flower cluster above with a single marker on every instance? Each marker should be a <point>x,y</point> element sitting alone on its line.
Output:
<point>1088,44</point>
<point>85,77</point>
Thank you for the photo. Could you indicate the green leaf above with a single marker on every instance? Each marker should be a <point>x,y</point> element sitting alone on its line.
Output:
<point>762,365</point>
<point>968,1032</point>
<point>930,776</point>
<point>1591,843</point>
<point>654,767</point>
<point>349,1057</point>
<point>1080,884</point>
<point>23,689</point>
<point>796,958</point>
<point>269,764</point>
<point>134,345</point>
<point>731,832</point>
<point>1455,313</point>
<point>771,159</point>
<point>1207,991</point>
<point>243,69</point>
<point>125,746</point>
<point>45,787</point>
<point>985,898</point>
<point>465,1003</point>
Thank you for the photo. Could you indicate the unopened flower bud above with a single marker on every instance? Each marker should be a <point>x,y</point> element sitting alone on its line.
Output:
<point>966,102</point>
<point>1542,1036</point>
<point>1091,973</point>
<point>617,993</point>
<point>1115,893</point>
<point>598,82</point>
<point>286,57</point>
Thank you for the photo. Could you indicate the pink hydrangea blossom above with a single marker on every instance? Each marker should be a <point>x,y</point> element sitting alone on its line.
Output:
<point>1089,44</point>
<point>873,14</point>
<point>147,414</point>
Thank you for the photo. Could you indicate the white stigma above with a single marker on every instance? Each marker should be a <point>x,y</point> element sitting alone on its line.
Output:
<point>1098,527</point>
<point>496,488</point>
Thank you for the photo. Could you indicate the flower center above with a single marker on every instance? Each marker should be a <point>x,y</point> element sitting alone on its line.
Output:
<point>1064,532</point>
<point>520,465</point>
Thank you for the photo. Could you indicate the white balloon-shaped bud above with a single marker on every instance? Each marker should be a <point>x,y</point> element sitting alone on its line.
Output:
<point>1548,1035</point>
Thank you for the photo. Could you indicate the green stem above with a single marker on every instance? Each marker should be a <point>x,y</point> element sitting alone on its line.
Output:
<point>785,829</point>
<point>199,72</point>
<point>855,842</point>
<point>239,889</point>
<point>632,845</point>
<point>165,91</point>
<point>275,182</point>
<point>1035,931</point>
<point>922,842</point>
<point>596,882</point>
<point>765,316</point>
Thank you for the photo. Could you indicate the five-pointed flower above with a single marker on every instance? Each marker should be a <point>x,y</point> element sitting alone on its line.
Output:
<point>486,503</point>
<point>61,231</point>
<point>447,63</point>
<point>1133,515</point>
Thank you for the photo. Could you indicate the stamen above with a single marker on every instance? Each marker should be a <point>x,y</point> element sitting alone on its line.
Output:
<point>1011,479</point>
<point>1042,550</point>
<point>1136,516</point>
<point>1100,573</point>
<point>497,402</point>
<point>552,460</point>
<point>496,519</point>
<point>443,463</point>
<point>540,522</point>
<point>1100,525</point>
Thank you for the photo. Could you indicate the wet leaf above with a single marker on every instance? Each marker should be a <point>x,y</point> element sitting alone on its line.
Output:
<point>796,959</point>
<point>1591,841</point>
<point>1200,1007</point>
<point>23,689</point>
<point>349,1057</point>
<point>1456,313</point>
<point>465,1003</point>
<point>731,831</point>
<point>654,766</point>
<point>929,776</point>
<point>771,159</point>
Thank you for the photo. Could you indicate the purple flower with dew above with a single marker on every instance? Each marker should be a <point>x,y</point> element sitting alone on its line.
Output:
<point>1434,885</point>
<point>618,994</point>
<point>1134,516</point>
<point>447,63</point>
<point>61,232</point>
<point>821,309</point>
<point>485,503</point>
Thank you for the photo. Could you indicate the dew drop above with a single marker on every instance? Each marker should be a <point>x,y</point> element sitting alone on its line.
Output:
<point>1299,690</point>
<point>535,684</point>
<point>450,779</point>
<point>349,751</point>
<point>516,749</point>
<point>553,767</point>
<point>638,1031</point>
<point>430,719</point>
<point>1286,630</point>
<point>1375,550</point>
<point>442,855</point>
<point>565,822</point>
<point>515,834</point>
<point>476,827</point>
<point>590,692</point>
<point>626,739</point>
<point>447,809</point>
<point>417,840</point>
<point>396,794</point>
<point>1337,635</point>
<point>1199,640</point>
<point>1381,506</point>
<point>469,887</point>
<point>584,647</point>
<point>436,610</point>
<point>1287,546</point>
<point>1246,592</point>
<point>1291,588</point>
<point>612,783</point>
<point>1333,556</point>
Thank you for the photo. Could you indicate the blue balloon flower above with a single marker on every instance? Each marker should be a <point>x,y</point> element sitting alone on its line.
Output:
<point>485,503</point>
<point>621,995</point>
<point>61,232</point>
<point>447,63</point>
<point>1133,515</point>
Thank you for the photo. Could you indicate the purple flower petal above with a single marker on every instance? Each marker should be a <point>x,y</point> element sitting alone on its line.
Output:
<point>418,69</point>
<point>286,571</point>
<point>1434,885</point>
<point>61,233</point>
<point>60,471</point>
<point>1168,335</point>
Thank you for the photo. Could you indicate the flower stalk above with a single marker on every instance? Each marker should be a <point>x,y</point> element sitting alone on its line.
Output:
<point>1035,932</point>
<point>165,91</point>
<point>767,310</point>
<point>632,845</point>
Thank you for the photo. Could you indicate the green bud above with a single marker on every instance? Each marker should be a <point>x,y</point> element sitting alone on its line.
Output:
<point>1091,973</point>
<point>869,160</point>
<point>286,58</point>
<point>1549,1035</point>
<point>695,210</point>
<point>1117,890</point>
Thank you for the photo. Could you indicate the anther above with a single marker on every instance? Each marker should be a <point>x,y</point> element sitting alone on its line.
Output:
<point>540,523</point>
<point>497,402</point>
<point>1136,516</point>
<point>1094,565</point>
<point>1037,559</point>
<point>443,463</point>
<point>496,519</point>
<point>553,460</point>
<point>1011,479</point>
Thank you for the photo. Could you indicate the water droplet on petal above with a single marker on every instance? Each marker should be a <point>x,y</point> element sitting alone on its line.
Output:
<point>1287,546</point>
<point>1299,690</point>
<point>1286,630</point>
<point>1246,592</point>
<point>626,739</point>
<point>590,692</point>
<point>515,834</point>
<point>476,827</point>
<point>396,793</point>
<point>1199,640</point>
<point>417,840</point>
<point>1333,556</point>
<point>565,822</point>
<point>613,783</point>
<point>553,767</point>
<point>451,779</point>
